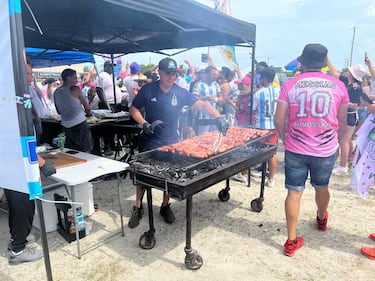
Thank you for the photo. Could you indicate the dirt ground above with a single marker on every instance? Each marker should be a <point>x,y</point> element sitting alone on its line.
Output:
<point>234,242</point>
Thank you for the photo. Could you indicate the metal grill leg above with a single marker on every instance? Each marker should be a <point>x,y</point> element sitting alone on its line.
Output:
<point>264,171</point>
<point>147,240</point>
<point>257,204</point>
<point>189,206</point>
<point>192,258</point>
<point>150,211</point>
<point>224,194</point>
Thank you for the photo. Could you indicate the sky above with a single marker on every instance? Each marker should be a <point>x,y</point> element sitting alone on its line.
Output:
<point>284,27</point>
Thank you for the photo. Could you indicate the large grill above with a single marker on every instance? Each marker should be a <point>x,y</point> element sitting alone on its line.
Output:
<point>183,176</point>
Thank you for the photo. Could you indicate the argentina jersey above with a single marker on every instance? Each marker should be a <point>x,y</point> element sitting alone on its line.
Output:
<point>265,101</point>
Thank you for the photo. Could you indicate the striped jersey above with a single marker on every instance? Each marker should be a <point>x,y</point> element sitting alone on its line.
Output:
<point>202,89</point>
<point>264,106</point>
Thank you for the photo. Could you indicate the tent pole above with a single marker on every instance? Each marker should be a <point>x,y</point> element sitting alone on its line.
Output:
<point>252,84</point>
<point>25,123</point>
<point>113,81</point>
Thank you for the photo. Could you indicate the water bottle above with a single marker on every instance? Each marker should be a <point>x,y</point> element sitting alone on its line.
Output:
<point>72,226</point>
<point>80,219</point>
<point>61,141</point>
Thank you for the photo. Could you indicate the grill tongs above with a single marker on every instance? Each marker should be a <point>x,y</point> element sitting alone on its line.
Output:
<point>217,142</point>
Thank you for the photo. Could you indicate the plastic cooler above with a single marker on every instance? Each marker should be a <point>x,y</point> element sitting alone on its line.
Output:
<point>83,193</point>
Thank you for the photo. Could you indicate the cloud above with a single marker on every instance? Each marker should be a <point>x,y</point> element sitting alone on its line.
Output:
<point>265,10</point>
<point>370,11</point>
<point>296,3</point>
<point>284,27</point>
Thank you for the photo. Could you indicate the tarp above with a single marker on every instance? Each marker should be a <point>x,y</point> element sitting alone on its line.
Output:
<point>292,65</point>
<point>128,26</point>
<point>49,57</point>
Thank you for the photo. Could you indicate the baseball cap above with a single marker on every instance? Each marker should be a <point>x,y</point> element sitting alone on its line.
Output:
<point>168,65</point>
<point>245,81</point>
<point>314,55</point>
<point>134,68</point>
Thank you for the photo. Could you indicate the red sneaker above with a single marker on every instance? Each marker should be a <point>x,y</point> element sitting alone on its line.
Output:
<point>290,247</point>
<point>368,252</point>
<point>322,224</point>
<point>372,236</point>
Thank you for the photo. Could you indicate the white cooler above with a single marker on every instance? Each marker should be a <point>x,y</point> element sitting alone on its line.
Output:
<point>83,193</point>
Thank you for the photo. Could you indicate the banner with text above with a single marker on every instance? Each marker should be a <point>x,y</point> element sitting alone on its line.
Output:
<point>18,159</point>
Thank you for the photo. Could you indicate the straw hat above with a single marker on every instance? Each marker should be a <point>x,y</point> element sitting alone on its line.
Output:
<point>357,71</point>
<point>142,77</point>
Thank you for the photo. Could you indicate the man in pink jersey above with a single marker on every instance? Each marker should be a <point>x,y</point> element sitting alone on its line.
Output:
<point>310,118</point>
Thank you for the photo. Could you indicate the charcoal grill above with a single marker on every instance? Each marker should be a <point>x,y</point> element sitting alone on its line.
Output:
<point>183,176</point>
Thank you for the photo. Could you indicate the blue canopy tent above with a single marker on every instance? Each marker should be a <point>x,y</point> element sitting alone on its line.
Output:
<point>132,27</point>
<point>49,57</point>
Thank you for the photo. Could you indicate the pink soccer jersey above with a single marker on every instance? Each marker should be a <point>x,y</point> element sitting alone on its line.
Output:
<point>313,99</point>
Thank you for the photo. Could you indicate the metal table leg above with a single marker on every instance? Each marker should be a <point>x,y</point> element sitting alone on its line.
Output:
<point>248,176</point>
<point>119,198</point>
<point>75,221</point>
<point>192,258</point>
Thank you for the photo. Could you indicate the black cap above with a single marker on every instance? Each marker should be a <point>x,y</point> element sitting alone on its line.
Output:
<point>314,55</point>
<point>168,65</point>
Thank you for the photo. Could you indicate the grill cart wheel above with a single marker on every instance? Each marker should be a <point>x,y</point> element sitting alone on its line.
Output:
<point>224,195</point>
<point>147,241</point>
<point>257,205</point>
<point>193,260</point>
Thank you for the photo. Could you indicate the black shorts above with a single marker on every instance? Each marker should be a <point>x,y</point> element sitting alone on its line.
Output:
<point>351,119</point>
<point>78,137</point>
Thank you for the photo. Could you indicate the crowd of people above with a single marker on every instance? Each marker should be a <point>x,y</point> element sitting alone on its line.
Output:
<point>315,115</point>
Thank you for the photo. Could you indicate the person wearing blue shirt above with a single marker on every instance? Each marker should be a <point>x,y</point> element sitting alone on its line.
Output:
<point>157,107</point>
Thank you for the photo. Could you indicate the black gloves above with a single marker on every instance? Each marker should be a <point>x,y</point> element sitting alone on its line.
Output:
<point>88,113</point>
<point>147,128</point>
<point>48,169</point>
<point>222,124</point>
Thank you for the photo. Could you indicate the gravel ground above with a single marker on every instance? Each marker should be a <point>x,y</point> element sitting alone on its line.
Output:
<point>234,242</point>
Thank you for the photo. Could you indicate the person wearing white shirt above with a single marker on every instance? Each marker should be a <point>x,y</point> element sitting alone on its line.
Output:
<point>105,81</point>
